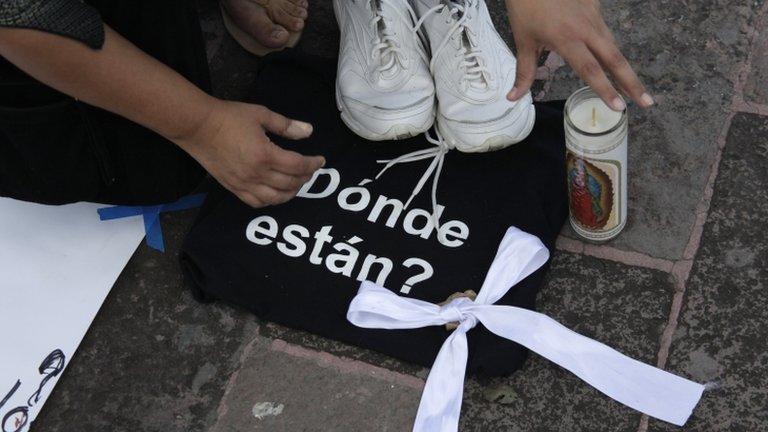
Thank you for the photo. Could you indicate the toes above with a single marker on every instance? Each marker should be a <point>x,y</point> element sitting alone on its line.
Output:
<point>290,22</point>
<point>266,32</point>
<point>296,24</point>
<point>304,4</point>
<point>274,37</point>
<point>290,15</point>
<point>295,10</point>
<point>269,21</point>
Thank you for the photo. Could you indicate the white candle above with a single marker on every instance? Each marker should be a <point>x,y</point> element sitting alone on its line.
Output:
<point>594,116</point>
<point>596,166</point>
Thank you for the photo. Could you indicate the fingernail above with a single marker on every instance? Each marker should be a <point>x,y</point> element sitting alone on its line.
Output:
<point>647,100</point>
<point>278,33</point>
<point>618,104</point>
<point>300,128</point>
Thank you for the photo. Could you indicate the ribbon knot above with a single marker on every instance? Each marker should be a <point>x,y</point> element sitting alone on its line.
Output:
<point>456,312</point>
<point>640,386</point>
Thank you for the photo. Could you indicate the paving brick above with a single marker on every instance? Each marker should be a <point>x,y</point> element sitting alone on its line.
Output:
<point>313,393</point>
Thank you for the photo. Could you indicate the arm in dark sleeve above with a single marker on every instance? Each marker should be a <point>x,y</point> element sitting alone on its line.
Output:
<point>70,18</point>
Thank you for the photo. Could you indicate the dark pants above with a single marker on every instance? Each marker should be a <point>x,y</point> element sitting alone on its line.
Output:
<point>57,150</point>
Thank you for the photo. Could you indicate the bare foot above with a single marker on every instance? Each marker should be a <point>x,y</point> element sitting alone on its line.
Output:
<point>291,14</point>
<point>261,22</point>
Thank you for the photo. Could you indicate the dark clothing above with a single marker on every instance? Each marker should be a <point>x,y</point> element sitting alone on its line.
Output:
<point>273,275</point>
<point>56,150</point>
<point>69,18</point>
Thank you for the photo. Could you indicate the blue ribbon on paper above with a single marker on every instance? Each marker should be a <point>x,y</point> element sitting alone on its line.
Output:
<point>151,215</point>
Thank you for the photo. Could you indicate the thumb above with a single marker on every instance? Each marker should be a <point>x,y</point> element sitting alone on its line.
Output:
<point>526,71</point>
<point>283,126</point>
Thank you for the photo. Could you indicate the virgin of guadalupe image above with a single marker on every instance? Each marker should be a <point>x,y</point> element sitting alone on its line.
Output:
<point>591,193</point>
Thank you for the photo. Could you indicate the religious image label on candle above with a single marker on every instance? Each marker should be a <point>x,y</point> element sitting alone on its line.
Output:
<point>596,166</point>
<point>591,186</point>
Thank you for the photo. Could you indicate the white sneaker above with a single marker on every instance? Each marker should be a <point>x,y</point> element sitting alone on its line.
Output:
<point>473,70</point>
<point>383,89</point>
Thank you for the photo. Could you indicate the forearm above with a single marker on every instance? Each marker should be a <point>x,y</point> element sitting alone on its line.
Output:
<point>119,78</point>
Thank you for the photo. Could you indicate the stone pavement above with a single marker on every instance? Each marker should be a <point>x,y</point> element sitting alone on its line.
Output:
<point>684,287</point>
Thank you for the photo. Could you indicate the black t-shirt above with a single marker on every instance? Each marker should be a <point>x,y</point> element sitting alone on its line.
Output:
<point>299,264</point>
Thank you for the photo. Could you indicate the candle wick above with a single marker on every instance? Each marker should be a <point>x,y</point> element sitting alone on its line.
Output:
<point>594,117</point>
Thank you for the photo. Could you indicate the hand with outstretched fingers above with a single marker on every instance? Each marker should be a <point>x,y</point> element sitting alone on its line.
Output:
<point>574,29</point>
<point>233,146</point>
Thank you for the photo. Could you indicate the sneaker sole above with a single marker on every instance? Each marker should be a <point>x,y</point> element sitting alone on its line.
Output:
<point>410,125</point>
<point>492,141</point>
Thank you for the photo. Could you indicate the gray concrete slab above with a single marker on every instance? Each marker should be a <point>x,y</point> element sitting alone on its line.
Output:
<point>154,359</point>
<point>311,341</point>
<point>281,390</point>
<point>722,332</point>
<point>688,54</point>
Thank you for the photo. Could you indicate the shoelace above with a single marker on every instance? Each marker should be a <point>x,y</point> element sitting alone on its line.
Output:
<point>476,75</point>
<point>435,168</point>
<point>386,46</point>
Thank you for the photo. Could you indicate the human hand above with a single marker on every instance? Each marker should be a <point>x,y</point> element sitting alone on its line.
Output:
<point>233,146</point>
<point>575,29</point>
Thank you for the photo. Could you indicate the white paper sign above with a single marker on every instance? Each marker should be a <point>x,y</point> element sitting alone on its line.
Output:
<point>57,265</point>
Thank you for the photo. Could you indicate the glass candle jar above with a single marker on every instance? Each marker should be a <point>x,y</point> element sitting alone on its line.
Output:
<point>596,166</point>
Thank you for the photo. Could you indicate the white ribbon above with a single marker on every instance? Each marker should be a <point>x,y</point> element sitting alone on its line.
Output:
<point>645,388</point>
